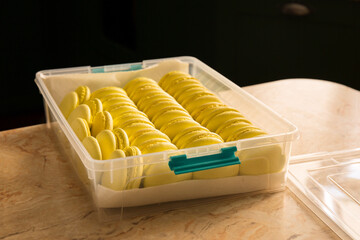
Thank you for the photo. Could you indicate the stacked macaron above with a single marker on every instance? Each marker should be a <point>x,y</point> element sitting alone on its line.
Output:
<point>207,109</point>
<point>145,135</point>
<point>168,115</point>
<point>93,125</point>
<point>173,120</point>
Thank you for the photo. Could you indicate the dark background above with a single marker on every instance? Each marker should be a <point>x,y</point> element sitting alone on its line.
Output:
<point>249,42</point>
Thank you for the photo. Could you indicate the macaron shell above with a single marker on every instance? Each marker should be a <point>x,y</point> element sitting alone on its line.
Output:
<point>122,140</point>
<point>119,110</point>
<point>165,117</point>
<point>145,99</point>
<point>109,96</point>
<point>179,92</point>
<point>246,133</point>
<point>240,121</point>
<point>101,121</point>
<point>159,107</point>
<point>181,84</point>
<point>198,111</point>
<point>229,129</point>
<point>139,133</point>
<point>116,175</point>
<point>114,106</point>
<point>201,101</point>
<point>81,128</point>
<point>135,172</point>
<point>148,136</point>
<point>167,108</point>
<point>180,134</point>
<point>195,136</point>
<point>261,160</point>
<point>143,91</point>
<point>174,80</point>
<point>193,93</point>
<point>117,153</point>
<point>153,101</point>
<point>202,142</point>
<point>117,101</point>
<point>138,82</point>
<point>131,129</point>
<point>210,112</point>
<point>107,142</point>
<point>92,146</point>
<point>158,147</point>
<point>69,103</point>
<point>82,111</point>
<point>170,76</point>
<point>192,97</point>
<point>215,122</point>
<point>123,122</point>
<point>95,105</point>
<point>222,172</point>
<point>174,126</point>
<point>83,93</point>
<point>99,93</point>
<point>160,174</point>
<point>132,151</point>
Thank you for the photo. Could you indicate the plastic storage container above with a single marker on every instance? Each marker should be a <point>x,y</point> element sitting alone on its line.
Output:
<point>271,152</point>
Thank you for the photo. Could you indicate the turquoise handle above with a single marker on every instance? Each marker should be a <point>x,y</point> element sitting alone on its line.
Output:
<point>131,68</point>
<point>181,164</point>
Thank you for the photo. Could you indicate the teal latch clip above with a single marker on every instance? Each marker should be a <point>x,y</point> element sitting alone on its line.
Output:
<point>181,164</point>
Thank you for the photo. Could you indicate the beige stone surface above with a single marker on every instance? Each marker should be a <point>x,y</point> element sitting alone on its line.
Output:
<point>41,198</point>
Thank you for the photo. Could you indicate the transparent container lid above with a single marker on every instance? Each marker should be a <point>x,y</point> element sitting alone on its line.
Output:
<point>329,184</point>
<point>324,171</point>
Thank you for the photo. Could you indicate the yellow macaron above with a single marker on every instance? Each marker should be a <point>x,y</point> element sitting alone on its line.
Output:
<point>69,103</point>
<point>132,128</point>
<point>92,146</point>
<point>227,130</point>
<point>107,142</point>
<point>122,140</point>
<point>81,111</point>
<point>99,93</point>
<point>80,127</point>
<point>211,111</point>
<point>107,104</point>
<point>148,135</point>
<point>218,120</point>
<point>119,110</point>
<point>165,117</point>
<point>191,138</point>
<point>246,132</point>
<point>182,83</point>
<point>101,121</point>
<point>115,174</point>
<point>135,171</point>
<point>178,124</point>
<point>160,174</point>
<point>197,102</point>
<point>261,160</point>
<point>95,105</point>
<point>180,134</point>
<point>136,83</point>
<point>83,93</point>
<point>168,78</point>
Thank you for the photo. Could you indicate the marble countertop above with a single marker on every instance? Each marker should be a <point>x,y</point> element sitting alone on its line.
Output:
<point>41,198</point>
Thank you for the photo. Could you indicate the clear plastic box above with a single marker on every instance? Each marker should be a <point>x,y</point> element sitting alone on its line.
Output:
<point>329,184</point>
<point>271,151</point>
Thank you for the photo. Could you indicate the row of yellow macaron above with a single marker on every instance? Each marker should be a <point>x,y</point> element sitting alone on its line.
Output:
<point>110,126</point>
<point>207,109</point>
<point>110,113</point>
